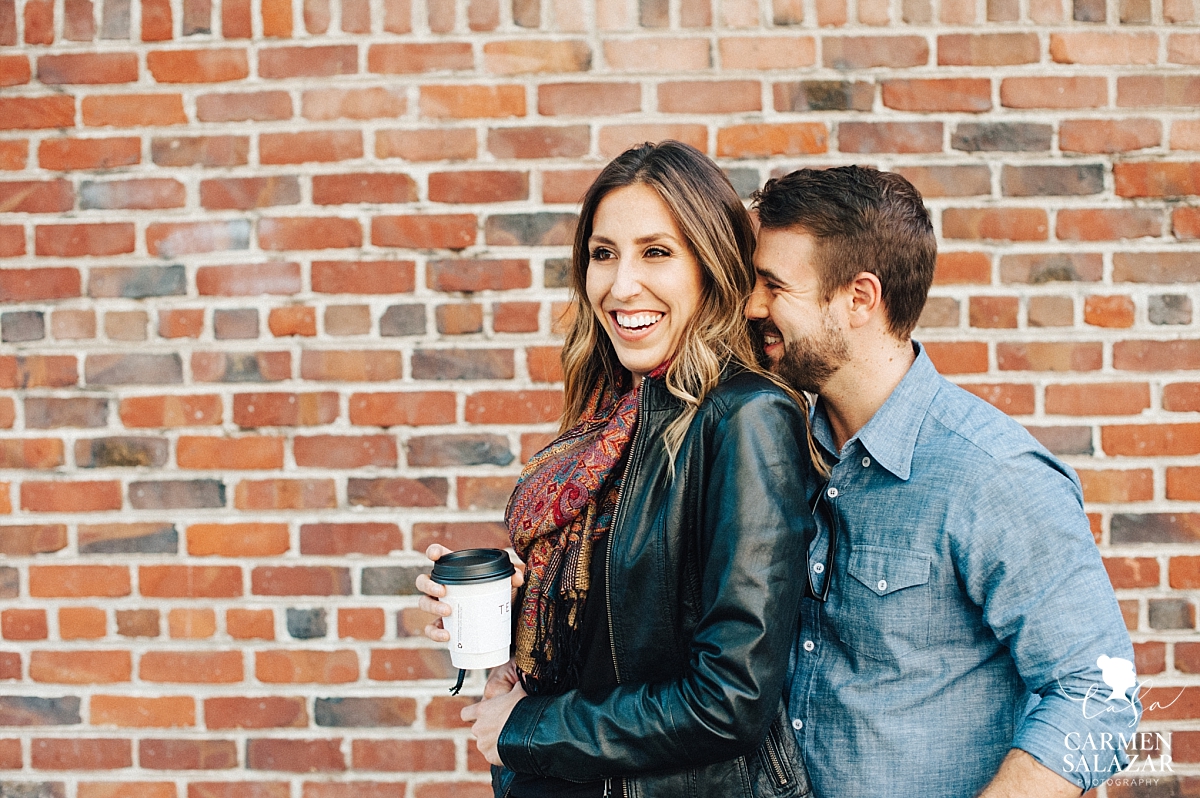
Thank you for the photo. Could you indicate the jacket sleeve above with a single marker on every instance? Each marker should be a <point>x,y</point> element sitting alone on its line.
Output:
<point>756,522</point>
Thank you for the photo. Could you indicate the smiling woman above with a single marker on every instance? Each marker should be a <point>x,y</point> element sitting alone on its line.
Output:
<point>663,529</point>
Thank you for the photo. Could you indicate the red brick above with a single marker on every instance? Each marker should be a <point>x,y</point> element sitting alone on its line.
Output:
<point>238,789</point>
<point>306,667</point>
<point>367,623</point>
<point>171,239</point>
<point>1049,356</point>
<point>33,453</point>
<point>38,371</point>
<point>1181,396</point>
<point>14,70</point>
<point>472,102</point>
<point>484,493</point>
<point>1103,48</point>
<point>119,789</point>
<point>133,110</point>
<point>300,581</point>
<point>258,106</point>
<point>402,409</point>
<point>515,317</point>
<point>478,275</point>
<point>171,411</point>
<point>136,712</point>
<point>615,139</point>
<point>426,145</point>
<point>1108,136</point>
<point>23,624</point>
<point>1158,91</point>
<point>284,409</point>
<point>332,451</point>
<point>1108,311</point>
<point>187,754</point>
<point>1113,485</point>
<point>75,240</point>
<point>190,581</point>
<point>962,268</point>
<point>427,231</point>
<point>191,667</point>
<point>81,754</point>
<point>268,712</point>
<point>12,241</point>
<point>80,667</point>
<point>948,181</point>
<point>513,407</point>
<point>996,49</point>
<point>1183,48</point>
<point>1007,224</point>
<point>544,363</point>
<point>380,189</point>
<point>709,97</point>
<point>1183,483</point>
<point>539,142</point>
<point>52,196</point>
<point>865,52</point>
<point>247,193</point>
<point>24,285</point>
<point>1156,355</point>
<point>350,538</point>
<point>230,453</point>
<point>1185,223</point>
<point>1149,440</point>
<point>66,497</point>
<point>388,665</point>
<point>1104,224</point>
<point>144,194</point>
<point>277,18</point>
<point>1097,399</point>
<point>1184,573</point>
<point>900,137</point>
<point>397,492</point>
<point>156,21</point>
<point>310,146</point>
<point>528,56</point>
<point>215,65</point>
<point>758,141</point>
<point>237,540</point>
<point>87,68</point>
<point>78,581</point>
<point>460,535</point>
<point>567,185</point>
<point>658,54</point>
<point>295,756</point>
<point>1157,179</point>
<point>403,755</point>
<point>411,58</point>
<point>582,99</point>
<point>311,62</point>
<point>994,312</point>
<point>263,278</point>
<point>478,186</point>
<point>309,233</point>
<point>766,52</point>
<point>351,366</point>
<point>36,113</point>
<point>363,277</point>
<point>970,95</point>
<point>1054,92</point>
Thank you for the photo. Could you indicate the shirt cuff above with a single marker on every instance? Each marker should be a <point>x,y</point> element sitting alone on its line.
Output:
<point>1069,752</point>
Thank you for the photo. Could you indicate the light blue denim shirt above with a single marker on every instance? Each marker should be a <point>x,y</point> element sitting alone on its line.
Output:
<point>968,609</point>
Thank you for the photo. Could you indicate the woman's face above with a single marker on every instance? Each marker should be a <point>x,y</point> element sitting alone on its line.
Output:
<point>643,282</point>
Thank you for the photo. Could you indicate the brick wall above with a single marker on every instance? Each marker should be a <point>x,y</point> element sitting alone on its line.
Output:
<point>280,282</point>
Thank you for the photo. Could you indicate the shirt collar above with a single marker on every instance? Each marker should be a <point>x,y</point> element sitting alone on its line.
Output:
<point>891,434</point>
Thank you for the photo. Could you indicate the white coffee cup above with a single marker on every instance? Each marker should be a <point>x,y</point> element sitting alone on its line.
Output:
<point>479,591</point>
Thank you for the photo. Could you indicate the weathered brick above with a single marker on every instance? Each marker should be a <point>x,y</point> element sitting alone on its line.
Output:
<point>185,581</point>
<point>1156,355</point>
<point>1108,136</point>
<point>246,193</point>
<point>865,52</point>
<point>1169,309</point>
<point>306,624</point>
<point>389,665</point>
<point>1010,224</point>
<point>426,145</point>
<point>397,492</point>
<point>1049,356</point>
<point>1002,137</point>
<point>900,137</point>
<point>365,712</point>
<point>300,232</point>
<point>122,451</point>
<point>472,102</point>
<point>241,366</point>
<point>137,623</point>
<point>1032,181</point>
<point>259,106</point>
<point>80,754</point>
<point>211,151</point>
<point>1158,91</point>
<point>187,754</point>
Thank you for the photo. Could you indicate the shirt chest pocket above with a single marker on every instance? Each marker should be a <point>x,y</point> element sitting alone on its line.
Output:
<point>885,602</point>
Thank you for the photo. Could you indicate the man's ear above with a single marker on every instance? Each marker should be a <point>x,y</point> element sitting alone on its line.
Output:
<point>865,299</point>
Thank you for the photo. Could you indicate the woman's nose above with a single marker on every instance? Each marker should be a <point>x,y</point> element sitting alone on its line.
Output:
<point>626,282</point>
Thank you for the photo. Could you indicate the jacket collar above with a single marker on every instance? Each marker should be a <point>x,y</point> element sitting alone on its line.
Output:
<point>891,435</point>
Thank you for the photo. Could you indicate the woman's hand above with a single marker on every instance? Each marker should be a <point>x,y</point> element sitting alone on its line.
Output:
<point>501,680</point>
<point>430,602</point>
<point>488,718</point>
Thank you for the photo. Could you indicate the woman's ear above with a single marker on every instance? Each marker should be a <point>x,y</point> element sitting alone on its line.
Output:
<point>865,299</point>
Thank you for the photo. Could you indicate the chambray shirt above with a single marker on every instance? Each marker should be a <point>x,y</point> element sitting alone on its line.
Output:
<point>968,608</point>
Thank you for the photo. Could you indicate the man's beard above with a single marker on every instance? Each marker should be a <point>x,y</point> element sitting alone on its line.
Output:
<point>807,364</point>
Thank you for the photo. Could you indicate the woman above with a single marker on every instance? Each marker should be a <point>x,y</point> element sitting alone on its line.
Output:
<point>663,531</point>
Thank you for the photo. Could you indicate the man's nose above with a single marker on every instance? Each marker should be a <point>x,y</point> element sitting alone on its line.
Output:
<point>756,305</point>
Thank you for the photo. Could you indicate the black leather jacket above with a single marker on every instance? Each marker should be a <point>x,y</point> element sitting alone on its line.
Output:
<point>705,579</point>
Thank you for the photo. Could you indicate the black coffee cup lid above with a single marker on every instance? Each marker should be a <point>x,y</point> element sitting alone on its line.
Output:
<point>468,566</point>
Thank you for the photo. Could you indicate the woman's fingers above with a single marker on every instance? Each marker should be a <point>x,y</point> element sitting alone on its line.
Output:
<point>436,551</point>
<point>436,633</point>
<point>430,587</point>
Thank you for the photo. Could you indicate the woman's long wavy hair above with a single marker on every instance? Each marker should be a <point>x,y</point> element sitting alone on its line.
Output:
<point>718,230</point>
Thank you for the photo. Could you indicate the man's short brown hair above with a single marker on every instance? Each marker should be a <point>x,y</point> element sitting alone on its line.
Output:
<point>864,220</point>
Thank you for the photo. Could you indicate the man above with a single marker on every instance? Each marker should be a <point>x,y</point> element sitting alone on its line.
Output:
<point>958,606</point>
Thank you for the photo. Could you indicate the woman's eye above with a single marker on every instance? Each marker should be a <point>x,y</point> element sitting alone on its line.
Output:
<point>657,252</point>
<point>600,253</point>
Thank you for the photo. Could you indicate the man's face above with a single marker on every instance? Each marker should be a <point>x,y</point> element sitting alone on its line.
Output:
<point>803,338</point>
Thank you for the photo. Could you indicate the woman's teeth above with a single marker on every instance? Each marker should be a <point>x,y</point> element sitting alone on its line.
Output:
<point>634,321</point>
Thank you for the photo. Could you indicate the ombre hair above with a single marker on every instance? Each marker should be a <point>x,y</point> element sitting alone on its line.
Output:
<point>718,231</point>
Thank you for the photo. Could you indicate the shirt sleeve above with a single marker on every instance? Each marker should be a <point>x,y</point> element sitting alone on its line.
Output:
<point>1028,559</point>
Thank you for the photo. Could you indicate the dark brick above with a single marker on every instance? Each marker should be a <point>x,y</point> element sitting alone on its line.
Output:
<point>1064,440</point>
<point>32,789</point>
<point>400,320</point>
<point>22,325</point>
<point>451,450</point>
<point>1172,614</point>
<point>397,492</point>
<point>306,624</point>
<point>133,369</point>
<point>824,95</point>
<point>530,229</point>
<point>1156,528</point>
<point>187,754</point>
<point>145,538</point>
<point>121,451</point>
<point>478,274</point>
<point>1170,309</point>
<point>1053,267</point>
<point>176,494</point>
<point>462,364</point>
<point>744,181</point>
<point>371,713</point>
<point>351,538</point>
<point>237,323</point>
<point>24,540</point>
<point>10,582</point>
<point>556,273</point>
<point>137,283</point>
<point>48,412</point>
<point>32,711</point>
<point>241,366</point>
<point>1032,181</point>
<point>391,580</point>
<point>137,623</point>
<point>1001,137</point>
<point>1089,10</point>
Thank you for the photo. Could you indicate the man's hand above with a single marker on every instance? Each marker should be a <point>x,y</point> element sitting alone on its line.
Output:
<point>1022,776</point>
<point>433,592</point>
<point>488,718</point>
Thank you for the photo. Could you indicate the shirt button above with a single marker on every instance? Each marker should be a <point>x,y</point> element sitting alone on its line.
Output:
<point>818,568</point>
<point>866,462</point>
<point>797,724</point>
<point>882,584</point>
<point>832,493</point>
<point>809,645</point>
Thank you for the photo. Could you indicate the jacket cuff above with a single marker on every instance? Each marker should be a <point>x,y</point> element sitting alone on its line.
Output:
<point>515,738</point>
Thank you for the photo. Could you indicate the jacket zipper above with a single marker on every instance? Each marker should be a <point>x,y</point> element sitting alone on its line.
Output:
<point>773,756</point>
<point>612,640</point>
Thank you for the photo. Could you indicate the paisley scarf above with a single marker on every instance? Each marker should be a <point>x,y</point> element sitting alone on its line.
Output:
<point>562,505</point>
